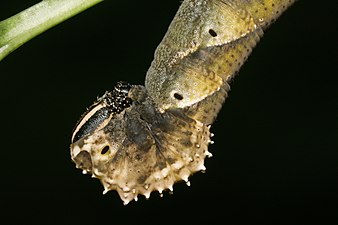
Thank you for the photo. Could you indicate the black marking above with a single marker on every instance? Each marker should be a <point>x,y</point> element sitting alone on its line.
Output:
<point>178,96</point>
<point>105,150</point>
<point>114,102</point>
<point>212,33</point>
<point>92,123</point>
<point>117,100</point>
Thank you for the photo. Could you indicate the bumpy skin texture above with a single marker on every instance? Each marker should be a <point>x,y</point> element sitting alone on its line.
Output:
<point>140,139</point>
<point>206,44</point>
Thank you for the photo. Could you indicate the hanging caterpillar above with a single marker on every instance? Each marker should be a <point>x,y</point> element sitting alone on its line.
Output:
<point>139,139</point>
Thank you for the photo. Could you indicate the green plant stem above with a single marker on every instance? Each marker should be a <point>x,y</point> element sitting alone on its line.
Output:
<point>31,22</point>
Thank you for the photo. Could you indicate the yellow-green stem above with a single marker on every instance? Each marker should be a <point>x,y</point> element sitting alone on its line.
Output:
<point>31,22</point>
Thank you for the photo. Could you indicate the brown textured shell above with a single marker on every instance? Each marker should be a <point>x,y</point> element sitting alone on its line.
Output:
<point>163,136</point>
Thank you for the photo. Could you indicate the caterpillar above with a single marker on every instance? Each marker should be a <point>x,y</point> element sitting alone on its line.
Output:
<point>140,139</point>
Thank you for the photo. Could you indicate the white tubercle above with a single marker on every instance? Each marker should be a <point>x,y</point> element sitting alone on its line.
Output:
<point>105,191</point>
<point>208,154</point>
<point>147,194</point>
<point>201,167</point>
<point>126,201</point>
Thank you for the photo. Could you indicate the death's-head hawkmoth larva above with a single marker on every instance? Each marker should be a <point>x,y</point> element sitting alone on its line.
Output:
<point>139,139</point>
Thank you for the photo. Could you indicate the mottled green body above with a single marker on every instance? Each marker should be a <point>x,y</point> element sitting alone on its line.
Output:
<point>206,44</point>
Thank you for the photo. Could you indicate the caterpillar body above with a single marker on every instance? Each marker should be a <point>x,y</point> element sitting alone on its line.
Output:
<point>139,139</point>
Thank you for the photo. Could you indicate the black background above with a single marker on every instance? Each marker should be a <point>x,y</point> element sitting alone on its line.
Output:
<point>276,147</point>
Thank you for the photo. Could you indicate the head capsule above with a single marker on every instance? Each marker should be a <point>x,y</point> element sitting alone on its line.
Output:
<point>99,114</point>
